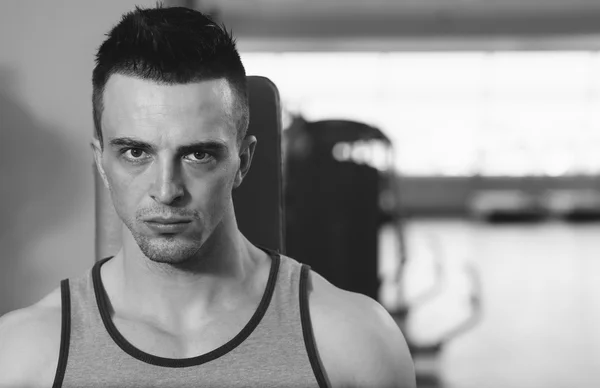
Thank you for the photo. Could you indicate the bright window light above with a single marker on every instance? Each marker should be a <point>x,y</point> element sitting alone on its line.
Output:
<point>455,114</point>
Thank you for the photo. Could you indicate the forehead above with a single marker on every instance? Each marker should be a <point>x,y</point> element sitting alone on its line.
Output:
<point>135,105</point>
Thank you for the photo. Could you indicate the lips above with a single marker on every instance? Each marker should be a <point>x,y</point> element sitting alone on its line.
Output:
<point>168,221</point>
<point>168,227</point>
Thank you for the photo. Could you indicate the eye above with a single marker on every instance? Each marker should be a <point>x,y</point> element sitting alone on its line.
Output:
<point>132,153</point>
<point>136,153</point>
<point>199,156</point>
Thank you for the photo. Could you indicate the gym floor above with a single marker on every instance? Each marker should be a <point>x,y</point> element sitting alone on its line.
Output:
<point>540,300</point>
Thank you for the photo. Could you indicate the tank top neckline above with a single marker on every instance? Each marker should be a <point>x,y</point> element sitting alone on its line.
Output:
<point>102,302</point>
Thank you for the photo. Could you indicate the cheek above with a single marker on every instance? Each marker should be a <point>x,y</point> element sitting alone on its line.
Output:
<point>219,188</point>
<point>126,191</point>
<point>215,190</point>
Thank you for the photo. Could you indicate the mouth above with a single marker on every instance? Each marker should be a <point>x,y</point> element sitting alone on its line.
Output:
<point>169,220</point>
<point>168,227</point>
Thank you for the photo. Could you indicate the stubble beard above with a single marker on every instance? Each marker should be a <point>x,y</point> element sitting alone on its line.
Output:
<point>167,249</point>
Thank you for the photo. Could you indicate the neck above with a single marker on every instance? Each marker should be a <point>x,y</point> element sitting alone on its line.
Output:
<point>183,296</point>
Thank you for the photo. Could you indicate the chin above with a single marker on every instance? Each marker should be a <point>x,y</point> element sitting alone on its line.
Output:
<point>168,249</point>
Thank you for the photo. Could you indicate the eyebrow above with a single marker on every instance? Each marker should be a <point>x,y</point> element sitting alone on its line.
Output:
<point>209,145</point>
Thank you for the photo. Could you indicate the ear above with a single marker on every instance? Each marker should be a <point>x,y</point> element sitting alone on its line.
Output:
<point>246,155</point>
<point>97,152</point>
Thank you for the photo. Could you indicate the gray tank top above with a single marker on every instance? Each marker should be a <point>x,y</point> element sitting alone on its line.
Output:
<point>276,348</point>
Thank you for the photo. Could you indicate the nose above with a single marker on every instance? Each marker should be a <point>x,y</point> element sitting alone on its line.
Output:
<point>168,185</point>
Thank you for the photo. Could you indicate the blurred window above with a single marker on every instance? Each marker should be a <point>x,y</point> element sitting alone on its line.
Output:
<point>455,114</point>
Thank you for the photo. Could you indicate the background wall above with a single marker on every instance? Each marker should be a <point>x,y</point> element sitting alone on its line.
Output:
<point>46,191</point>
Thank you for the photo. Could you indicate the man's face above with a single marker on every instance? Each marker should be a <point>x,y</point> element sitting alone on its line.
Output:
<point>171,151</point>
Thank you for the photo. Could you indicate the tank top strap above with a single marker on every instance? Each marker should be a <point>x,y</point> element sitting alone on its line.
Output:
<point>289,317</point>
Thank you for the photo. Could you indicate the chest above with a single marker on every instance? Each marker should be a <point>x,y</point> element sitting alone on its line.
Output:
<point>210,334</point>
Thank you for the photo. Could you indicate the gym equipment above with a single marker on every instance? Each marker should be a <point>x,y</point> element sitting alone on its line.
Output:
<point>337,197</point>
<point>333,177</point>
<point>506,206</point>
<point>573,205</point>
<point>258,201</point>
<point>426,355</point>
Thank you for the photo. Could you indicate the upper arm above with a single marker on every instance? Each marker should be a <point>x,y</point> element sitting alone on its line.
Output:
<point>390,363</point>
<point>29,346</point>
<point>359,343</point>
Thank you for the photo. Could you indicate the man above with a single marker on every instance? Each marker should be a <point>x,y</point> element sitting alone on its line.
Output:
<point>188,301</point>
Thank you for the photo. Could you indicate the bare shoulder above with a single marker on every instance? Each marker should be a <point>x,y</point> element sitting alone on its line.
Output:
<point>359,343</point>
<point>30,343</point>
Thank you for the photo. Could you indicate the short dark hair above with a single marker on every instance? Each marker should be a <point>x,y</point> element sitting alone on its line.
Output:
<point>170,46</point>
